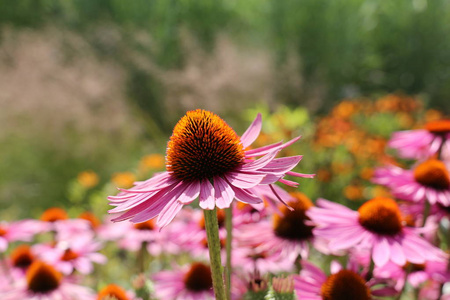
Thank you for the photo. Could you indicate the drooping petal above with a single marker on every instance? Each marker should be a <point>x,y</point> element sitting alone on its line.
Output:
<point>190,193</point>
<point>224,193</point>
<point>244,180</point>
<point>207,200</point>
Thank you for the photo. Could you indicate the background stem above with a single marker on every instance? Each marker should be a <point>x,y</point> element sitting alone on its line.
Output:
<point>228,270</point>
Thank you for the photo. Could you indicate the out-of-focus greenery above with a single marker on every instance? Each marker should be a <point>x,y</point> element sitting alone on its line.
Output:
<point>354,47</point>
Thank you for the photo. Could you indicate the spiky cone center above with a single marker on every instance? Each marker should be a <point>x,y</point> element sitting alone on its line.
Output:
<point>432,173</point>
<point>147,225</point>
<point>198,278</point>
<point>202,146</point>
<point>438,127</point>
<point>22,257</point>
<point>413,267</point>
<point>381,215</point>
<point>54,214</point>
<point>42,278</point>
<point>69,255</point>
<point>345,285</point>
<point>220,219</point>
<point>91,218</point>
<point>112,291</point>
<point>291,224</point>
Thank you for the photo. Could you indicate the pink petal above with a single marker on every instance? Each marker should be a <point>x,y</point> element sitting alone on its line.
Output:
<point>244,180</point>
<point>224,193</point>
<point>259,163</point>
<point>168,213</point>
<point>246,196</point>
<point>190,193</point>
<point>252,132</point>
<point>381,252</point>
<point>207,200</point>
<point>263,150</point>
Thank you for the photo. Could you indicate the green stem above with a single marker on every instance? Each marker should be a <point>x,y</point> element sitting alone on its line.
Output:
<point>228,270</point>
<point>141,258</point>
<point>212,233</point>
<point>426,212</point>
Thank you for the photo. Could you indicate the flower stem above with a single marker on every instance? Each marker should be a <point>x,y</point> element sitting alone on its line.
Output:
<point>228,270</point>
<point>212,233</point>
<point>426,212</point>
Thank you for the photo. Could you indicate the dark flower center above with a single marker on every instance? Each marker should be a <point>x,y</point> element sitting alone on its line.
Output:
<point>345,285</point>
<point>291,224</point>
<point>432,173</point>
<point>147,225</point>
<point>198,278</point>
<point>3,231</point>
<point>69,255</point>
<point>438,127</point>
<point>202,146</point>
<point>42,278</point>
<point>22,257</point>
<point>54,214</point>
<point>112,291</point>
<point>381,215</point>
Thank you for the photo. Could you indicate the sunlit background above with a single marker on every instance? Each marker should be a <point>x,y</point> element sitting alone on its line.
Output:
<point>91,89</point>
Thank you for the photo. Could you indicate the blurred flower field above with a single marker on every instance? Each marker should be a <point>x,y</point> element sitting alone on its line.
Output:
<point>372,224</point>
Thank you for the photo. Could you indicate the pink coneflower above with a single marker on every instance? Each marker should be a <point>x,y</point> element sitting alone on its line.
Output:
<point>23,230</point>
<point>189,282</point>
<point>342,284</point>
<point>428,181</point>
<point>288,234</point>
<point>423,143</point>
<point>254,259</point>
<point>195,243</point>
<point>76,254</point>
<point>44,282</point>
<point>205,158</point>
<point>376,226</point>
<point>417,273</point>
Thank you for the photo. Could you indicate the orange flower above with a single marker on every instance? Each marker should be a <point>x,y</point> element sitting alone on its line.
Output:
<point>88,179</point>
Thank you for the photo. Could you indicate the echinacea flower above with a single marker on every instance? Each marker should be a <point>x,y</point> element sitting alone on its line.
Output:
<point>76,254</point>
<point>44,282</point>
<point>206,158</point>
<point>428,181</point>
<point>187,283</point>
<point>417,273</point>
<point>377,226</point>
<point>423,143</point>
<point>288,234</point>
<point>342,284</point>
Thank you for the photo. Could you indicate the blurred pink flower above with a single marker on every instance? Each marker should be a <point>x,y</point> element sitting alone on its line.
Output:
<point>75,254</point>
<point>206,159</point>
<point>428,181</point>
<point>23,230</point>
<point>423,143</point>
<point>313,284</point>
<point>288,234</point>
<point>44,282</point>
<point>418,273</point>
<point>376,226</point>
<point>186,283</point>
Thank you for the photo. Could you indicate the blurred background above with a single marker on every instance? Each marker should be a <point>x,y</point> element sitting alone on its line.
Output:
<point>91,89</point>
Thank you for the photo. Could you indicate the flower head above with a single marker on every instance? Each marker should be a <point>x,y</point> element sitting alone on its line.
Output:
<point>206,158</point>
<point>44,282</point>
<point>428,181</point>
<point>189,282</point>
<point>377,226</point>
<point>423,143</point>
